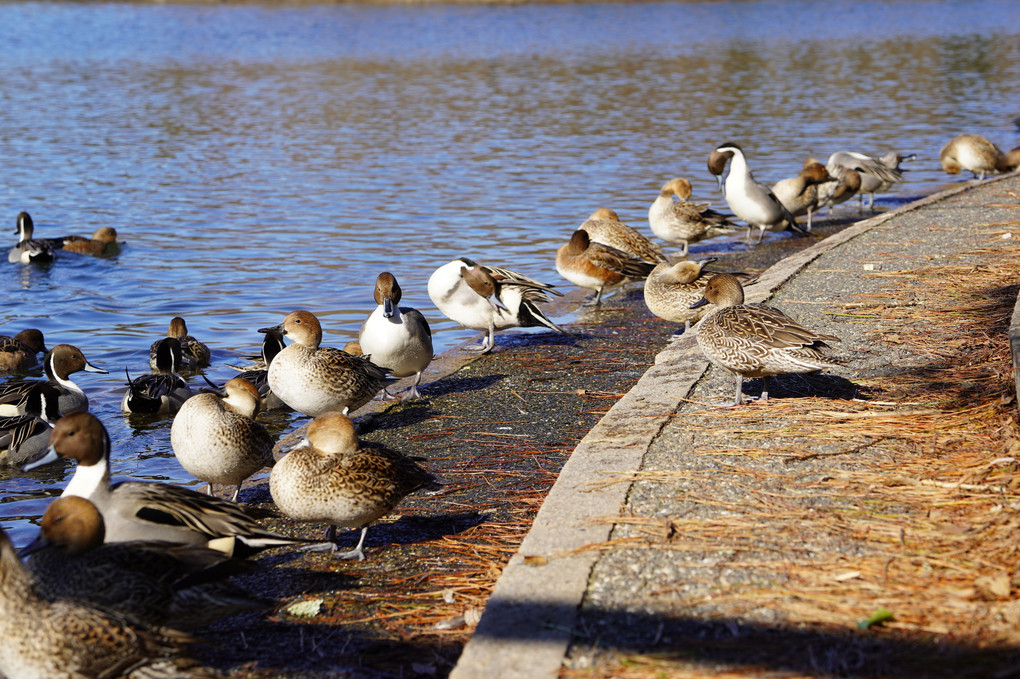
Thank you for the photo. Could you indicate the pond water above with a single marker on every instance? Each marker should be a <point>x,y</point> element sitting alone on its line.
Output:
<point>258,158</point>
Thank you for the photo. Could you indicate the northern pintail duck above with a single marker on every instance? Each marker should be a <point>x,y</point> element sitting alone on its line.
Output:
<point>194,354</point>
<point>749,200</point>
<point>157,583</point>
<point>671,289</point>
<point>29,249</point>
<point>489,298</point>
<point>216,438</point>
<point>677,220</point>
<point>103,243</point>
<point>604,226</point>
<point>62,361</point>
<point>395,337</point>
<point>140,510</point>
<point>333,478</point>
<point>18,352</point>
<point>163,391</point>
<point>755,340</point>
<point>596,266</point>
<point>877,174</point>
<point>800,194</point>
<point>313,379</point>
<point>24,437</point>
<point>977,154</point>
<point>258,373</point>
<point>70,640</point>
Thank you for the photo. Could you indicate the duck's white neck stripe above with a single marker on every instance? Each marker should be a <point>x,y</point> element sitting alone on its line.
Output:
<point>88,479</point>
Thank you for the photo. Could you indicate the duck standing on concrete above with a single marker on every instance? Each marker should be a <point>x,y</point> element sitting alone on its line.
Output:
<point>140,510</point>
<point>596,266</point>
<point>489,298</point>
<point>70,640</point>
<point>394,337</point>
<point>677,220</point>
<point>216,438</point>
<point>62,361</point>
<point>671,289</point>
<point>977,154</point>
<point>314,380</point>
<point>604,226</point>
<point>194,354</point>
<point>877,174</point>
<point>755,340</point>
<point>24,437</point>
<point>158,583</point>
<point>847,185</point>
<point>800,194</point>
<point>30,249</point>
<point>18,352</point>
<point>749,200</point>
<point>334,478</point>
<point>163,391</point>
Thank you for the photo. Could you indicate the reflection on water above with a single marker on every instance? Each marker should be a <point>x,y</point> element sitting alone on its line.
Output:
<point>260,159</point>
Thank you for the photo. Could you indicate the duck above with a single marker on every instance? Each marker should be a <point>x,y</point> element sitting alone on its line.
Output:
<point>597,266</point>
<point>489,298</point>
<point>604,226</point>
<point>977,154</point>
<point>30,249</point>
<point>258,372</point>
<point>216,439</point>
<point>313,379</point>
<point>194,354</point>
<point>800,194</point>
<point>103,243</point>
<point>149,510</point>
<point>671,289</point>
<point>677,220</point>
<point>24,437</point>
<point>71,640</point>
<point>396,338</point>
<point>19,352</point>
<point>62,361</point>
<point>156,583</point>
<point>755,340</point>
<point>161,392</point>
<point>877,174</point>
<point>846,186</point>
<point>331,477</point>
<point>751,201</point>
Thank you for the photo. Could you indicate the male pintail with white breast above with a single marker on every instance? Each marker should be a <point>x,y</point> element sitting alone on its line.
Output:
<point>333,478</point>
<point>140,510</point>
<point>194,354</point>
<point>216,438</point>
<point>755,340</point>
<point>24,437</point>
<point>395,337</point>
<point>160,392</point>
<point>62,361</point>
<point>877,174</point>
<point>30,249</point>
<point>489,298</point>
<point>313,379</point>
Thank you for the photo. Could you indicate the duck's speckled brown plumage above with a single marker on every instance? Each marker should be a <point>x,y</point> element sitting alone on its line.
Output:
<point>194,354</point>
<point>216,438</point>
<point>604,226</point>
<point>18,352</point>
<point>336,479</point>
<point>681,221</point>
<point>977,154</point>
<point>755,340</point>
<point>671,289</point>
<point>69,640</point>
<point>314,380</point>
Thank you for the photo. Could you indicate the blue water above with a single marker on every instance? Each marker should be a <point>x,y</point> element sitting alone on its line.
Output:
<point>258,159</point>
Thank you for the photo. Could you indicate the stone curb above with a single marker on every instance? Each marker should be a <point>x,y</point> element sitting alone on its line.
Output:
<point>526,628</point>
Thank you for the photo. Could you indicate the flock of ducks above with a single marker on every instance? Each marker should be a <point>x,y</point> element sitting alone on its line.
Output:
<point>120,568</point>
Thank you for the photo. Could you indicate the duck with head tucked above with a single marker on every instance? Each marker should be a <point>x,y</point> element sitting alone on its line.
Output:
<point>489,298</point>
<point>70,640</point>
<point>604,226</point>
<point>158,583</point>
<point>334,478</point>
<point>977,154</point>
<point>216,438</point>
<point>141,510</point>
<point>671,289</point>
<point>18,352</point>
<point>396,337</point>
<point>597,266</point>
<point>163,391</point>
<point>62,361</point>
<point>677,220</point>
<point>755,340</point>
<point>313,379</point>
